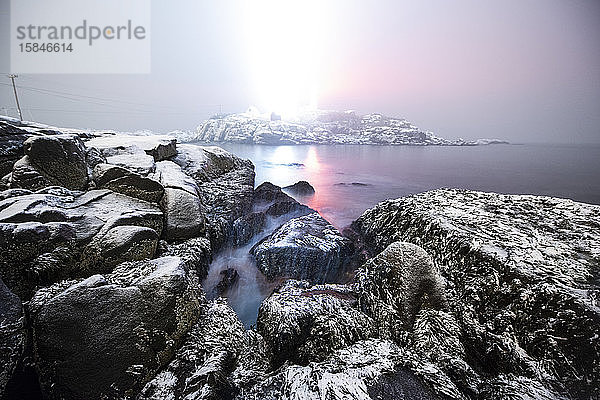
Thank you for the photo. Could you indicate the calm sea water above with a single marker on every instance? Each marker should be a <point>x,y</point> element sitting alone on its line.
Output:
<point>351,179</point>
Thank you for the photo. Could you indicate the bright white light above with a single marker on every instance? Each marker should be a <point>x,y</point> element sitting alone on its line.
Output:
<point>285,43</point>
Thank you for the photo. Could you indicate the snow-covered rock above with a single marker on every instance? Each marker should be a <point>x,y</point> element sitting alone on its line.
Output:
<point>521,277</point>
<point>320,127</point>
<point>306,247</point>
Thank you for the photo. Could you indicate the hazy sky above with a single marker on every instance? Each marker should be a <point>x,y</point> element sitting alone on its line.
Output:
<point>524,70</point>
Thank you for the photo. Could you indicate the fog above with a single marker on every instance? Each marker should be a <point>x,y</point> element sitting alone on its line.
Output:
<point>526,71</point>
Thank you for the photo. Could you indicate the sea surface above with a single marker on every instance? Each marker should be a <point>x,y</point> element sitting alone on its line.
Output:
<point>350,179</point>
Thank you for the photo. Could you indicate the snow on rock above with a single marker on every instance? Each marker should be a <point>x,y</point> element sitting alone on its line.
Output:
<point>521,277</point>
<point>306,247</point>
<point>320,127</point>
<point>305,323</point>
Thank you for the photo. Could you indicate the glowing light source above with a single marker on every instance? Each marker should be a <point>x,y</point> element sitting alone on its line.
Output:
<point>285,42</point>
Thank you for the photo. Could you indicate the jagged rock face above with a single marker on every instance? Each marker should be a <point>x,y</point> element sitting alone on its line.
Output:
<point>12,333</point>
<point>300,188</point>
<point>51,160</point>
<point>48,232</point>
<point>369,369</point>
<point>219,357</point>
<point>302,323</point>
<point>225,185</point>
<point>105,336</point>
<point>522,281</point>
<point>307,247</point>
<point>396,284</point>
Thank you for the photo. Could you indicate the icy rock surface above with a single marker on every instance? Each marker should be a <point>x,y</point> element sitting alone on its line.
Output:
<point>369,369</point>
<point>303,323</point>
<point>218,358</point>
<point>105,336</point>
<point>521,278</point>
<point>306,247</point>
<point>396,284</point>
<point>322,127</point>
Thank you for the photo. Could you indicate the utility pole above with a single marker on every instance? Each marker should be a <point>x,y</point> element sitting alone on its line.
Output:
<point>12,78</point>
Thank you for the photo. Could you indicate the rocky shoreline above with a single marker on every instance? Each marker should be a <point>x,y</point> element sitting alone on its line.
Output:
<point>449,294</point>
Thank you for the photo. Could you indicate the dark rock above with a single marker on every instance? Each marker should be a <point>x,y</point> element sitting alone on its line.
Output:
<point>292,208</point>
<point>104,173</point>
<point>306,247</point>
<point>218,360</point>
<point>12,334</point>
<point>267,193</point>
<point>106,336</point>
<point>51,160</point>
<point>184,218</point>
<point>248,226</point>
<point>396,284</point>
<point>119,244</point>
<point>137,186</point>
<point>94,157</point>
<point>300,188</point>
<point>302,323</point>
<point>521,275</point>
<point>229,277</point>
<point>11,146</point>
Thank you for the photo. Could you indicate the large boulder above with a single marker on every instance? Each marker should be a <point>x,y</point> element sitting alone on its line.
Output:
<point>521,281</point>
<point>184,218</point>
<point>267,193</point>
<point>181,204</point>
<point>196,253</point>
<point>218,358</point>
<point>121,180</point>
<point>119,244</point>
<point>12,334</point>
<point>396,284</point>
<point>307,247</point>
<point>106,336</point>
<point>48,232</point>
<point>51,160</point>
<point>300,188</point>
<point>302,323</point>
